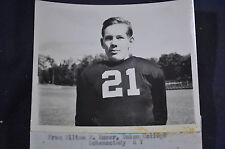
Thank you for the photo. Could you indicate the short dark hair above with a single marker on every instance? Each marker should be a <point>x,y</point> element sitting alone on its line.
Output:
<point>117,20</point>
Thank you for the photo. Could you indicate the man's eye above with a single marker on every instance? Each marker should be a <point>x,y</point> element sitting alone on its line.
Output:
<point>108,38</point>
<point>120,37</point>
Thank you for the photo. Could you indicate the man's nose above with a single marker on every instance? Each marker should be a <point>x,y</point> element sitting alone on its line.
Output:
<point>114,42</point>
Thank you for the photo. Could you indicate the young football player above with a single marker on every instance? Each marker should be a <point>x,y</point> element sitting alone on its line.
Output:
<point>124,90</point>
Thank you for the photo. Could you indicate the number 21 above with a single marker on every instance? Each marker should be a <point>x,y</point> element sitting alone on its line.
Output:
<point>118,92</point>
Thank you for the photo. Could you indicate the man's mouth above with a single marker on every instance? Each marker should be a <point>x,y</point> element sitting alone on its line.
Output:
<point>113,52</point>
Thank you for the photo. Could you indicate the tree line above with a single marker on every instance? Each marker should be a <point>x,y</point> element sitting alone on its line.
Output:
<point>176,67</point>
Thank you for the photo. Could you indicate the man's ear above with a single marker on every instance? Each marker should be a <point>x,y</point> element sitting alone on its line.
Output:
<point>101,40</point>
<point>131,39</point>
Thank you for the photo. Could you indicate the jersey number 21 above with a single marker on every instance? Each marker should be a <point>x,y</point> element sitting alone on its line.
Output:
<point>118,92</point>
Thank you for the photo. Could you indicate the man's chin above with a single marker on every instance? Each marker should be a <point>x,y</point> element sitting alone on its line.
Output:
<point>115,59</point>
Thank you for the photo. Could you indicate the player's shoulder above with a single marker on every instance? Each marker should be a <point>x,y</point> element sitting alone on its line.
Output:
<point>92,68</point>
<point>148,66</point>
<point>142,60</point>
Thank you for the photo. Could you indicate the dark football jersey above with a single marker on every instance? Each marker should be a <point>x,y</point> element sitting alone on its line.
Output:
<point>125,93</point>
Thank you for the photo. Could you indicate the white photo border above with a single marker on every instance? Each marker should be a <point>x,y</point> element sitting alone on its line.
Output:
<point>124,129</point>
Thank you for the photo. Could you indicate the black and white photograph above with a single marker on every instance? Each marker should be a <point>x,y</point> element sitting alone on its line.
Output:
<point>115,65</point>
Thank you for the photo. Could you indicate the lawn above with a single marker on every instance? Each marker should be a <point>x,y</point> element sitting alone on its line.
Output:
<point>57,105</point>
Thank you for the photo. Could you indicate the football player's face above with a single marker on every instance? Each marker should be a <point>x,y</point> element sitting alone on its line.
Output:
<point>116,42</point>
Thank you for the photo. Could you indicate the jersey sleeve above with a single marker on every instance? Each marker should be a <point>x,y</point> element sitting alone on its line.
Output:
<point>83,102</point>
<point>159,99</point>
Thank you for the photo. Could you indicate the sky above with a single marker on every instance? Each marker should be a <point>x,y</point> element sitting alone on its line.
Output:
<point>65,31</point>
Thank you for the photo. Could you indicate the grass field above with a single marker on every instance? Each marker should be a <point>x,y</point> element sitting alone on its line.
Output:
<point>57,105</point>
